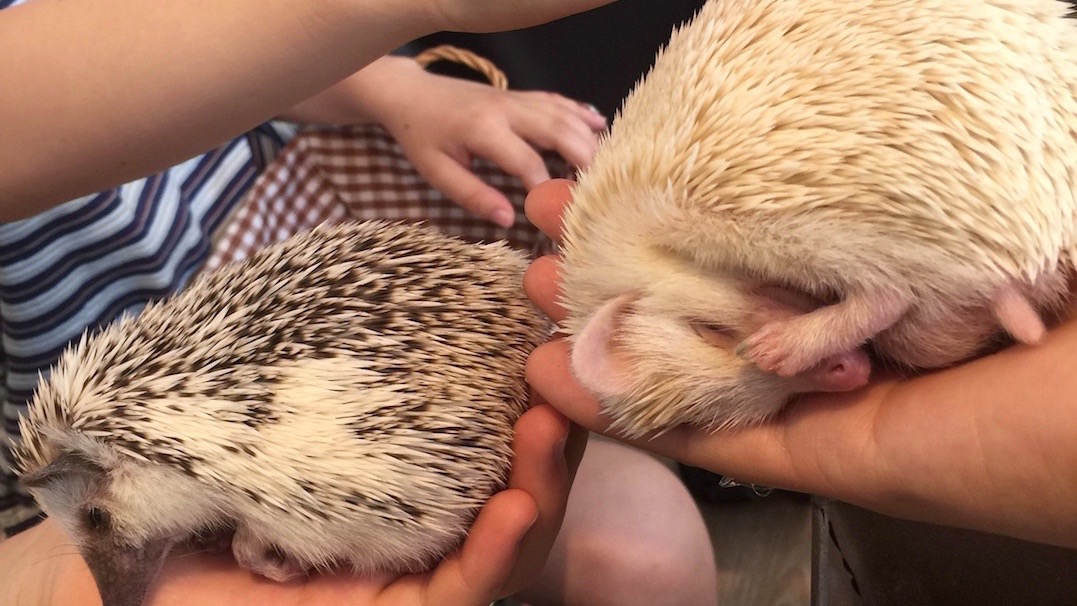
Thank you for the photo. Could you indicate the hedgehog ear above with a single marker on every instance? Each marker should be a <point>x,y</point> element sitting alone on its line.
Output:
<point>66,465</point>
<point>595,361</point>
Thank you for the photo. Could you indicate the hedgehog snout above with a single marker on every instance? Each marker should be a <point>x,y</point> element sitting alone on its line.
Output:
<point>124,573</point>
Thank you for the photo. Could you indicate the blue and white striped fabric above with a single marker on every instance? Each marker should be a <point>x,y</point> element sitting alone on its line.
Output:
<point>82,264</point>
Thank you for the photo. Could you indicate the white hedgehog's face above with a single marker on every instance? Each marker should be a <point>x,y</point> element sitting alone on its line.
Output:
<point>667,356</point>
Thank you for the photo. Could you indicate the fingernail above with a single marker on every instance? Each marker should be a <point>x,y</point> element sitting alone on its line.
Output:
<point>561,443</point>
<point>593,108</point>
<point>504,217</point>
<point>559,447</point>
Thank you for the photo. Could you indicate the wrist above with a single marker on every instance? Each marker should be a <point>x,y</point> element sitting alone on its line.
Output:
<point>379,90</point>
<point>996,445</point>
<point>371,95</point>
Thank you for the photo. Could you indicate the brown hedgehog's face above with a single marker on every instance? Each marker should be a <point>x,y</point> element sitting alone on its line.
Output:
<point>124,517</point>
<point>79,495</point>
<point>668,357</point>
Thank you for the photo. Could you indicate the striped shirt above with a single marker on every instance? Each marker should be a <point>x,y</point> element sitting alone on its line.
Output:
<point>84,263</point>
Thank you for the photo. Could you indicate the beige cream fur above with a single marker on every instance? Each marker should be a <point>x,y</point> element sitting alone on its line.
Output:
<point>921,152</point>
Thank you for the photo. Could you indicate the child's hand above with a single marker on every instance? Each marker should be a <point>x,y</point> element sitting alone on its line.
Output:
<point>442,122</point>
<point>451,120</point>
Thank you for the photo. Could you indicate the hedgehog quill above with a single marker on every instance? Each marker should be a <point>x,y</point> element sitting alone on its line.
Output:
<point>344,399</point>
<point>797,184</point>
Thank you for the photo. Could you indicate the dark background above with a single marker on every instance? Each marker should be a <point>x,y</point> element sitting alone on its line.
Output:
<point>595,57</point>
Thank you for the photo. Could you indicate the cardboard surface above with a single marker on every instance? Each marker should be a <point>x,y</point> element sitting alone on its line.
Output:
<point>861,557</point>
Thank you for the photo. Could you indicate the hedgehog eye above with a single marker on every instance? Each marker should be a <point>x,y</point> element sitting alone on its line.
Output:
<point>97,519</point>
<point>716,334</point>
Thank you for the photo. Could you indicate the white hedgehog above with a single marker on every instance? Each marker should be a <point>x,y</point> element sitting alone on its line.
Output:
<point>343,399</point>
<point>794,179</point>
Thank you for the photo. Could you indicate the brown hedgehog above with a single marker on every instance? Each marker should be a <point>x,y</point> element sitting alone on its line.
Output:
<point>343,399</point>
<point>796,179</point>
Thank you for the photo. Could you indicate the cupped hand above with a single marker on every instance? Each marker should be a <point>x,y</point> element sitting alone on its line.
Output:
<point>504,551</point>
<point>987,445</point>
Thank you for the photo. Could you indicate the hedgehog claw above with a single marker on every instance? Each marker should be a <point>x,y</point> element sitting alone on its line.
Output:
<point>264,559</point>
<point>773,351</point>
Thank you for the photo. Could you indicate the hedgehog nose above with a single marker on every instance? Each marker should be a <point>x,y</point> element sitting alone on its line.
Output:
<point>123,574</point>
<point>841,372</point>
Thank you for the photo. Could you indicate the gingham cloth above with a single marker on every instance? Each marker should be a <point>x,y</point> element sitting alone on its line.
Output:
<point>335,174</point>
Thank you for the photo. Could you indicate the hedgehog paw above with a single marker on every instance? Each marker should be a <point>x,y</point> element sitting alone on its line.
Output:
<point>772,350</point>
<point>264,559</point>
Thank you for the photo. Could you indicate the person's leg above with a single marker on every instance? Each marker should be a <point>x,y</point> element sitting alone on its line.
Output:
<point>631,535</point>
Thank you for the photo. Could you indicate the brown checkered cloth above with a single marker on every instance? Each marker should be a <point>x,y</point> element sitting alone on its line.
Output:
<point>335,174</point>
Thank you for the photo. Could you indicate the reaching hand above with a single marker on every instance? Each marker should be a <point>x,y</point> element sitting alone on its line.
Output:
<point>505,550</point>
<point>447,121</point>
<point>991,444</point>
<point>442,123</point>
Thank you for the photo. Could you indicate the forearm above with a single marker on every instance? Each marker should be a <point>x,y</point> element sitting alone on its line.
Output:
<point>102,92</point>
<point>1000,454</point>
<point>363,97</point>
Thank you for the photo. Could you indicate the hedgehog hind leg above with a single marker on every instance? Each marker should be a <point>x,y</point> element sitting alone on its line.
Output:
<point>263,558</point>
<point>1017,316</point>
<point>793,345</point>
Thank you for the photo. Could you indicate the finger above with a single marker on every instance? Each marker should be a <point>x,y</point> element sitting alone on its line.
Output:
<point>587,113</point>
<point>464,188</point>
<point>751,454</point>
<point>542,438</point>
<point>549,372</point>
<point>578,148</point>
<point>545,204</point>
<point>488,555</point>
<point>548,450</point>
<point>560,128</point>
<point>513,155</point>
<point>593,117</point>
<point>541,285</point>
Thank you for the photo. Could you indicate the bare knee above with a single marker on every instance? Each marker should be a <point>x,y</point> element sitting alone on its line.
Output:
<point>625,573</point>
<point>632,535</point>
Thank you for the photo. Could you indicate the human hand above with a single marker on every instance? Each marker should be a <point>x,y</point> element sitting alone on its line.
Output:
<point>442,122</point>
<point>505,550</point>
<point>450,120</point>
<point>990,445</point>
<point>446,121</point>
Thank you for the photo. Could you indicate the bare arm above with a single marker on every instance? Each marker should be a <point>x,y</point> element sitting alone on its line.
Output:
<point>93,94</point>
<point>989,445</point>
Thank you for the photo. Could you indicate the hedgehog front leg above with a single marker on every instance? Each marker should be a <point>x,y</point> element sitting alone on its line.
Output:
<point>261,557</point>
<point>790,346</point>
